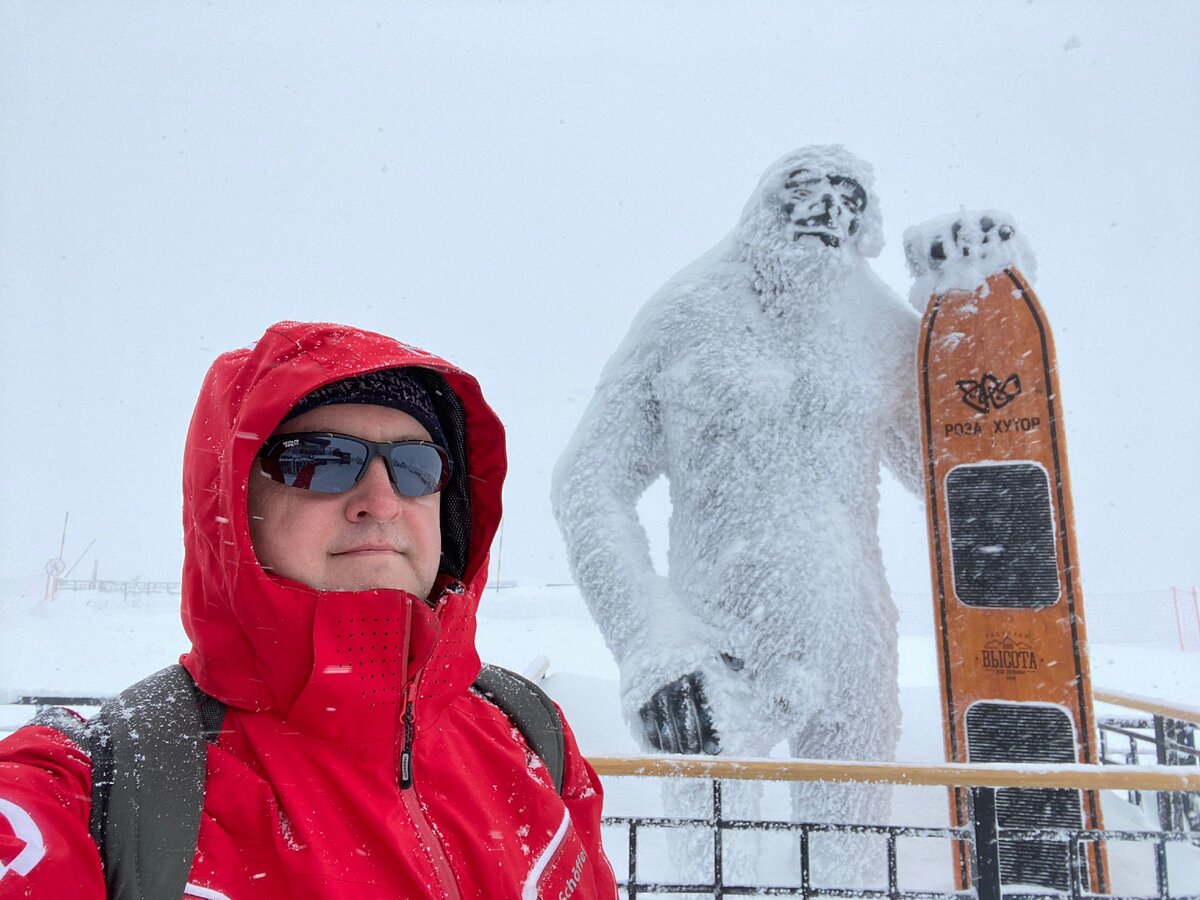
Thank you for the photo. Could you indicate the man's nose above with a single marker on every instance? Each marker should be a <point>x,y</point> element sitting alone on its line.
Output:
<point>374,497</point>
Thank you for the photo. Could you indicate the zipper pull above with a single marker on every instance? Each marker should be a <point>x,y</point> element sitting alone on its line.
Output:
<point>406,754</point>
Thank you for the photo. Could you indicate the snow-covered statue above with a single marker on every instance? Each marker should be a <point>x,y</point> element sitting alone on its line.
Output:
<point>767,382</point>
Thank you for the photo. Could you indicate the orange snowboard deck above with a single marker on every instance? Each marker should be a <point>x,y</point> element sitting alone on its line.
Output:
<point>1012,651</point>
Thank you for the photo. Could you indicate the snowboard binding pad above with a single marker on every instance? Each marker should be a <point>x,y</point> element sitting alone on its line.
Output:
<point>1012,652</point>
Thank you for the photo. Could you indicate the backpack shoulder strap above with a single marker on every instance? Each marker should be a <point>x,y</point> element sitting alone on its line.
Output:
<point>149,751</point>
<point>63,721</point>
<point>531,710</point>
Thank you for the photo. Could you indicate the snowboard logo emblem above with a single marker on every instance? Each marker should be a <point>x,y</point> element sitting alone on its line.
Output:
<point>989,392</point>
<point>1009,656</point>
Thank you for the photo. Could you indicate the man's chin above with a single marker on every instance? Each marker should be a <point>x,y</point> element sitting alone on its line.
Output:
<point>363,576</point>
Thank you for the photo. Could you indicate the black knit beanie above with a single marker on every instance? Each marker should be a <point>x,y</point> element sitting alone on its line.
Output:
<point>394,388</point>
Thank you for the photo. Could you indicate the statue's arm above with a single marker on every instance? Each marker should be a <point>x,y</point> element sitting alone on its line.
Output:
<point>616,452</point>
<point>902,435</point>
<point>661,648</point>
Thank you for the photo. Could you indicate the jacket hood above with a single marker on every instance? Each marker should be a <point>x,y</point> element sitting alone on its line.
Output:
<point>264,642</point>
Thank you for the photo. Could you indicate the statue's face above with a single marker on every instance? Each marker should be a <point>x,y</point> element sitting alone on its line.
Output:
<point>826,207</point>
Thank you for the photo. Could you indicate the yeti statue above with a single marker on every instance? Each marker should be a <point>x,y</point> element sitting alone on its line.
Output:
<point>767,382</point>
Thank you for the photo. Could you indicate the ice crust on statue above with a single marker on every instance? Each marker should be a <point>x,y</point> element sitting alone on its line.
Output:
<point>768,381</point>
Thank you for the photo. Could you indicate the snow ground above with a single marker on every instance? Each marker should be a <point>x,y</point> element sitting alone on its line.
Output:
<point>92,644</point>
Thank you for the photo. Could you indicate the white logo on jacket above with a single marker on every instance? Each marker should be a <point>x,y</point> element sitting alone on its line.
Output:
<point>24,828</point>
<point>194,890</point>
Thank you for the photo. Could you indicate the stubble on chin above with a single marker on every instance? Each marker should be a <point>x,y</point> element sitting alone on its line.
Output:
<point>364,575</point>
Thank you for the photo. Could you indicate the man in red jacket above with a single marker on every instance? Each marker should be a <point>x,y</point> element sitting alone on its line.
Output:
<point>341,492</point>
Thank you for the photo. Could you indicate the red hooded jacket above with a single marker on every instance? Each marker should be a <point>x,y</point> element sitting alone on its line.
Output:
<point>303,794</point>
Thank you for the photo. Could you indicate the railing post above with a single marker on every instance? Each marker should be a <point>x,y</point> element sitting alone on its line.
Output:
<point>1160,867</point>
<point>892,871</point>
<point>632,888</point>
<point>718,849</point>
<point>1163,754</point>
<point>1182,752</point>
<point>805,862</point>
<point>1135,797</point>
<point>1075,867</point>
<point>987,844</point>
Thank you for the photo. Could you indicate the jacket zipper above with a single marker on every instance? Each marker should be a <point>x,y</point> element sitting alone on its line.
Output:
<point>406,771</point>
<point>408,794</point>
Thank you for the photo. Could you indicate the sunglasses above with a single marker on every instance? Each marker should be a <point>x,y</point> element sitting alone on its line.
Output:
<point>334,463</point>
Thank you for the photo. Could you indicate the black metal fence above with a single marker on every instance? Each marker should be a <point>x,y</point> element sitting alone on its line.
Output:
<point>134,586</point>
<point>982,836</point>
<point>1161,740</point>
<point>1166,741</point>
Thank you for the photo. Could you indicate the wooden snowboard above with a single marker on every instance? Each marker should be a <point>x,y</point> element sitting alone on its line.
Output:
<point>1013,652</point>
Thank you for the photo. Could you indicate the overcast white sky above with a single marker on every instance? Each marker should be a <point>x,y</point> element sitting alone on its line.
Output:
<point>506,183</point>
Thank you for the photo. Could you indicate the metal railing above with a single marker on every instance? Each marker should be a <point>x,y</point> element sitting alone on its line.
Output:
<point>1168,737</point>
<point>721,887</point>
<point>134,586</point>
<point>982,836</point>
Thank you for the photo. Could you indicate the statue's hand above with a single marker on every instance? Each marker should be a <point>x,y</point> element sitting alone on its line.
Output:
<point>978,235</point>
<point>961,250</point>
<point>677,718</point>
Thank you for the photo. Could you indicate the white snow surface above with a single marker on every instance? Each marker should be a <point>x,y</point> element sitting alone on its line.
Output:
<point>91,643</point>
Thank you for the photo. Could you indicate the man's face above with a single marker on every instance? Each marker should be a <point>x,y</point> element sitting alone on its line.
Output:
<point>827,207</point>
<point>368,537</point>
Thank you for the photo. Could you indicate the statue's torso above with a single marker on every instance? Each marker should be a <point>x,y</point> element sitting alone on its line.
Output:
<point>772,449</point>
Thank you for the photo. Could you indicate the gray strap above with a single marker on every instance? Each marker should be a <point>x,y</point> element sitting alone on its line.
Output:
<point>531,711</point>
<point>64,721</point>
<point>148,767</point>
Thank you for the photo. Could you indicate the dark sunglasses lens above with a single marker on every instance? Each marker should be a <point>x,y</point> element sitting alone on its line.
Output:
<point>328,465</point>
<point>417,469</point>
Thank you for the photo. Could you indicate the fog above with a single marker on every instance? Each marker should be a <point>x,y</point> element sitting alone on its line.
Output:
<point>506,184</point>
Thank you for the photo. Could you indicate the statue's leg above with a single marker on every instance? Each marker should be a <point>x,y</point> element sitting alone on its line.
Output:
<point>691,850</point>
<point>847,859</point>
